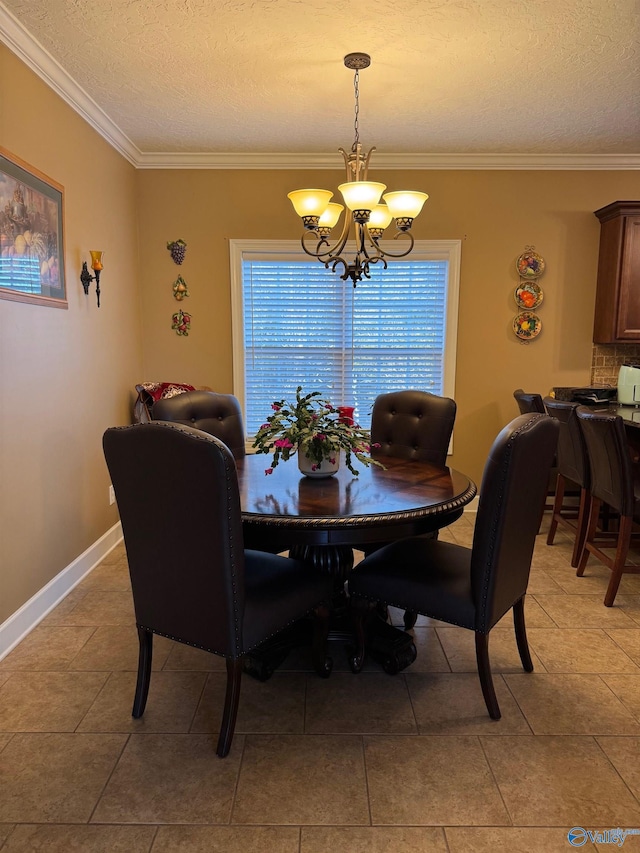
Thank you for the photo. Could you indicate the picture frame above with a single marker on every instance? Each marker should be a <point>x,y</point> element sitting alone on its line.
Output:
<point>31,235</point>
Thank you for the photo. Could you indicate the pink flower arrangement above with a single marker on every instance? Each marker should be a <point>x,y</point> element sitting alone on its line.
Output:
<point>315,427</point>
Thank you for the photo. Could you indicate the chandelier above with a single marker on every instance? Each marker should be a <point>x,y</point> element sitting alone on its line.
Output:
<point>370,217</point>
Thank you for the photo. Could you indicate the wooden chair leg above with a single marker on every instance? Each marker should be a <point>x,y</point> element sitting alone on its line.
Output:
<point>581,528</point>
<point>322,663</point>
<point>484,671</point>
<point>521,635</point>
<point>231,700</point>
<point>594,512</point>
<point>620,560</point>
<point>557,507</point>
<point>145,655</point>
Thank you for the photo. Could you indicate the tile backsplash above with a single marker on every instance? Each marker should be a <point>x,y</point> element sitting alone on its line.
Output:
<point>606,360</point>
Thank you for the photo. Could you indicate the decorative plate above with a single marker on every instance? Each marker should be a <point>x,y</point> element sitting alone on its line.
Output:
<point>530,264</point>
<point>528,294</point>
<point>527,325</point>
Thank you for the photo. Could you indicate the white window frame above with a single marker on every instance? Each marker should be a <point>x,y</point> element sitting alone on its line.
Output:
<point>291,250</point>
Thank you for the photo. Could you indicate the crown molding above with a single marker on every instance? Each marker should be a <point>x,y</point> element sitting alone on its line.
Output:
<point>432,162</point>
<point>39,60</point>
<point>21,42</point>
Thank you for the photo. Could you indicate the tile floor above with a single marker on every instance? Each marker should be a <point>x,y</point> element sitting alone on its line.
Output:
<point>375,763</point>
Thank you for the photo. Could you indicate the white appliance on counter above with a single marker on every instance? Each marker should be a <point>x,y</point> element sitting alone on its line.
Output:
<point>629,385</point>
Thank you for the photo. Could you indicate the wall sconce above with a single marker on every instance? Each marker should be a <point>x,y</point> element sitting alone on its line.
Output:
<point>85,276</point>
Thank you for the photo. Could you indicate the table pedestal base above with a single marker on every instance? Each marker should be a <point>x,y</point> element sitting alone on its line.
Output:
<point>263,661</point>
<point>335,559</point>
<point>392,648</point>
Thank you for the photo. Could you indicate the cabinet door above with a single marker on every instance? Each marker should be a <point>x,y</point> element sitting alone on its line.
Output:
<point>628,321</point>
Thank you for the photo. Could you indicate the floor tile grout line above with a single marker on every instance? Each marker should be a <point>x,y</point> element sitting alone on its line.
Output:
<point>109,777</point>
<point>413,710</point>
<point>200,701</point>
<point>446,840</point>
<point>366,778</point>
<point>96,628</point>
<point>153,840</point>
<point>596,739</point>
<point>435,631</point>
<point>495,781</point>
<point>534,597</point>
<point>520,708</point>
<point>601,676</point>
<point>237,782</point>
<point>109,675</point>
<point>622,649</point>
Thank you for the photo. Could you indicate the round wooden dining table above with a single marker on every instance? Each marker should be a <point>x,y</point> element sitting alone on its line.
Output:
<point>327,517</point>
<point>321,521</point>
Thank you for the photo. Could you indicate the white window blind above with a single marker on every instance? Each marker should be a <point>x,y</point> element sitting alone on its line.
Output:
<point>20,273</point>
<point>302,325</point>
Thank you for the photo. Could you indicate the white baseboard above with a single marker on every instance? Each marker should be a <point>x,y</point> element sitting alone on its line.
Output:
<point>25,619</point>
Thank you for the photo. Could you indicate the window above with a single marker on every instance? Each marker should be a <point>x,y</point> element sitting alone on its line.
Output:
<point>297,323</point>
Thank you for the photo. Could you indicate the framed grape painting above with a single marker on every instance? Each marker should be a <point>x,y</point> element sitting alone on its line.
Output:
<point>31,235</point>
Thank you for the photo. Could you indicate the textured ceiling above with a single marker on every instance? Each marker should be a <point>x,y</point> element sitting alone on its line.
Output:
<point>447,76</point>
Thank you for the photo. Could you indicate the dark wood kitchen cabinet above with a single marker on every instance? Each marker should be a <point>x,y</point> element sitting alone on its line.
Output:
<point>617,315</point>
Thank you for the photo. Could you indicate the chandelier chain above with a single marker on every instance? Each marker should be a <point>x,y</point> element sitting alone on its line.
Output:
<point>356,81</point>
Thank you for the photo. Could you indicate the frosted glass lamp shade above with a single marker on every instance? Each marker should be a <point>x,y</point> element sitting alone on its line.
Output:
<point>310,202</point>
<point>405,203</point>
<point>380,217</point>
<point>361,195</point>
<point>331,215</point>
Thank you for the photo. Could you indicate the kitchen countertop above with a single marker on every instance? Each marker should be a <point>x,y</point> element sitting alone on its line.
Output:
<point>629,414</point>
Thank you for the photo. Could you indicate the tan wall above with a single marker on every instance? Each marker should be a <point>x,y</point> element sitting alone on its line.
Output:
<point>495,214</point>
<point>64,375</point>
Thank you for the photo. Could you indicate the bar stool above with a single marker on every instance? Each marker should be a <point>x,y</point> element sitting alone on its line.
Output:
<point>532,404</point>
<point>615,483</point>
<point>572,462</point>
<point>528,403</point>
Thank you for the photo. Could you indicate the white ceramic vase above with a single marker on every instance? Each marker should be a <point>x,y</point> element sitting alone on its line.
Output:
<point>325,469</point>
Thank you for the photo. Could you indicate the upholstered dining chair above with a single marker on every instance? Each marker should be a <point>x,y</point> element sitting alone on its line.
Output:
<point>191,577</point>
<point>217,414</point>
<point>614,483</point>
<point>412,424</point>
<point>572,463</point>
<point>472,587</point>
